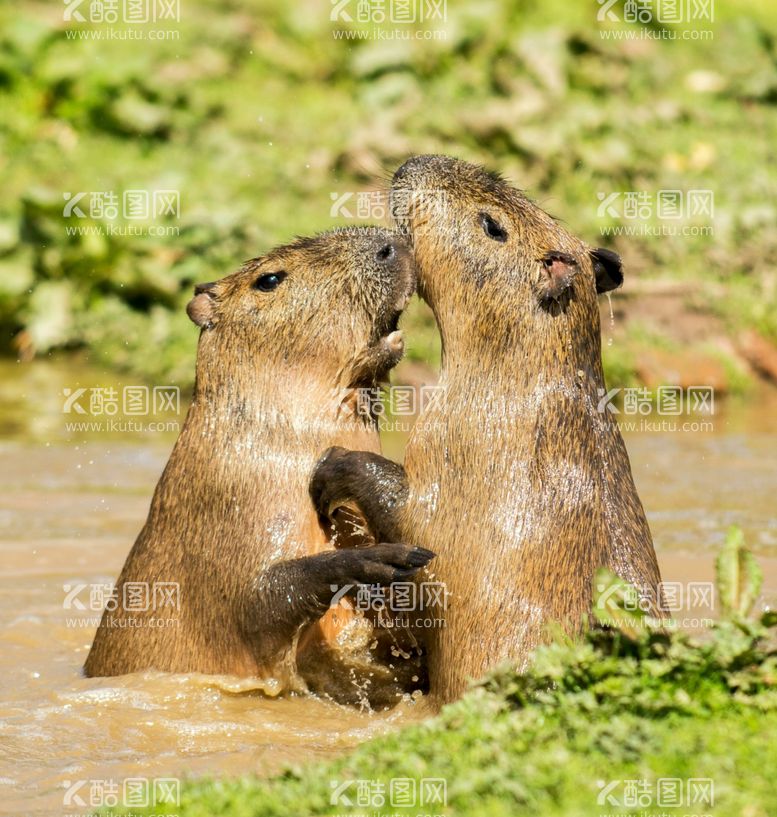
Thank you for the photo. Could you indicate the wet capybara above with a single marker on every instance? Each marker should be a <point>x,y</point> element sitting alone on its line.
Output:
<point>514,476</point>
<point>284,342</point>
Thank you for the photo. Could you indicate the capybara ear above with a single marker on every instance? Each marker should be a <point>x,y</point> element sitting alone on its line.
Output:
<point>608,269</point>
<point>202,307</point>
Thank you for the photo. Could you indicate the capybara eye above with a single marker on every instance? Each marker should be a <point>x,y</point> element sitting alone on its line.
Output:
<point>267,283</point>
<point>492,229</point>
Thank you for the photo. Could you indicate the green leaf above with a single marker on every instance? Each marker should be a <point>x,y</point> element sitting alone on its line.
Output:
<point>738,576</point>
<point>49,314</point>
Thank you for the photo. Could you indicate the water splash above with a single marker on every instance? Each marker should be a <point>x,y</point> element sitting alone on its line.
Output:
<point>612,319</point>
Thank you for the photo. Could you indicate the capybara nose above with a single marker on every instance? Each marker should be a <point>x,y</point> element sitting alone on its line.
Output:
<point>387,253</point>
<point>200,288</point>
<point>414,163</point>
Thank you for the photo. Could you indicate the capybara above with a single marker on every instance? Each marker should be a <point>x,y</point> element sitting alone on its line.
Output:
<point>284,342</point>
<point>514,476</point>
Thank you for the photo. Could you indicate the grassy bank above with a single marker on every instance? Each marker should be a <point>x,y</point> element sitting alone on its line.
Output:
<point>256,114</point>
<point>612,725</point>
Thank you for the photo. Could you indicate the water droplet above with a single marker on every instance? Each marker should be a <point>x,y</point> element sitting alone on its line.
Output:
<point>612,319</point>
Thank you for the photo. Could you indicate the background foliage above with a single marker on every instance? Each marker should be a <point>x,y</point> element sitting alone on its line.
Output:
<point>257,114</point>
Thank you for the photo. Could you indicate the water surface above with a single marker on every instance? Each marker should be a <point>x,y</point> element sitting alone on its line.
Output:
<point>71,504</point>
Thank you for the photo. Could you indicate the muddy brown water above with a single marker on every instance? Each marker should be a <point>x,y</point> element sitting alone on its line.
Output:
<point>72,502</point>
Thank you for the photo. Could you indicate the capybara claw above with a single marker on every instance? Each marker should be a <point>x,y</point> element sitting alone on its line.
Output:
<point>403,574</point>
<point>384,563</point>
<point>395,342</point>
<point>417,559</point>
<point>420,556</point>
<point>331,453</point>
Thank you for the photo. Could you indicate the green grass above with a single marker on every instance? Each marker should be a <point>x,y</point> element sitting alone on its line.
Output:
<point>497,761</point>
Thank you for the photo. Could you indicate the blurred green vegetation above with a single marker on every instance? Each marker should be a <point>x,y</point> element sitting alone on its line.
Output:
<point>256,113</point>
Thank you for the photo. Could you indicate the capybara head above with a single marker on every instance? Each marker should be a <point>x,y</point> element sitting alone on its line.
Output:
<point>489,258</point>
<point>311,306</point>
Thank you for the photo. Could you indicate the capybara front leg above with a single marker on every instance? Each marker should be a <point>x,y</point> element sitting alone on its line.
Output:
<point>375,485</point>
<point>375,361</point>
<point>294,593</point>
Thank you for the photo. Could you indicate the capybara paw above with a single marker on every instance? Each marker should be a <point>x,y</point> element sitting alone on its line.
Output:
<point>376,360</point>
<point>386,563</point>
<point>395,345</point>
<point>323,482</point>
